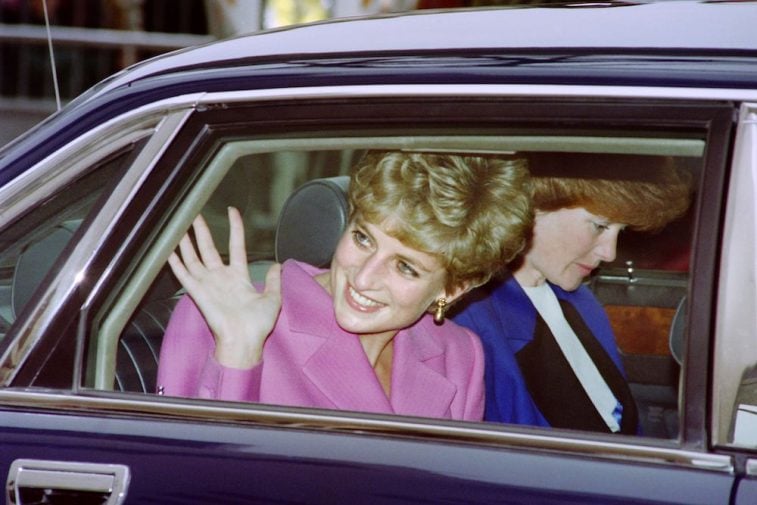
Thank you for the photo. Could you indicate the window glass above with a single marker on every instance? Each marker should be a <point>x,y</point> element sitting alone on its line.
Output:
<point>30,246</point>
<point>641,287</point>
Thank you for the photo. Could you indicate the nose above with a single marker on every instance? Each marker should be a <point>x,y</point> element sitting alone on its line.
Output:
<point>369,272</point>
<point>608,244</point>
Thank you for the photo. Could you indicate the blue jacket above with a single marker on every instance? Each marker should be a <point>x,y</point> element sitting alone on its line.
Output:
<point>503,316</point>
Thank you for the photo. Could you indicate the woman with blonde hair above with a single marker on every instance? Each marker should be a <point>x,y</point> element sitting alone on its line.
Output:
<point>551,356</point>
<point>367,334</point>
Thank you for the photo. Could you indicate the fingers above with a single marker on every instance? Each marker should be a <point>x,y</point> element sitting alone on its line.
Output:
<point>189,260</point>
<point>205,245</point>
<point>187,267</point>
<point>177,267</point>
<point>237,248</point>
<point>197,260</point>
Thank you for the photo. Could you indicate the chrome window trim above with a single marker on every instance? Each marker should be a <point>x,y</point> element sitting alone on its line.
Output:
<point>481,90</point>
<point>366,424</point>
<point>70,160</point>
<point>17,192</point>
<point>66,165</point>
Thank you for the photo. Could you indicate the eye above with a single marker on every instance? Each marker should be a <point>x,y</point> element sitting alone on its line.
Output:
<point>361,239</point>
<point>600,227</point>
<point>406,269</point>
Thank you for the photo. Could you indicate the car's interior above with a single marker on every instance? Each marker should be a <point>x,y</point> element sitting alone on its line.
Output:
<point>291,194</point>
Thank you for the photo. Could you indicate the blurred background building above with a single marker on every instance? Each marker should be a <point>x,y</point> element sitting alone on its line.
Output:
<point>92,39</point>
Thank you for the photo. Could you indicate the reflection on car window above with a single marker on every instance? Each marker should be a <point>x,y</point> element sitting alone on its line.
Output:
<point>30,247</point>
<point>640,290</point>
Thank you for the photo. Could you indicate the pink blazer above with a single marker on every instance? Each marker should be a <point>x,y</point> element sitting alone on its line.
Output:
<point>309,361</point>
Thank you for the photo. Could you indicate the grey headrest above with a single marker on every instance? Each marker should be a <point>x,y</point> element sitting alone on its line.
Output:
<point>312,221</point>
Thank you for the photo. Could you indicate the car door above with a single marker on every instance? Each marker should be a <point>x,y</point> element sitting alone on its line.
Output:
<point>736,332</point>
<point>83,418</point>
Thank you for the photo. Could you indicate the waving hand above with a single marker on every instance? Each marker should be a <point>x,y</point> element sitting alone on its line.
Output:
<point>240,317</point>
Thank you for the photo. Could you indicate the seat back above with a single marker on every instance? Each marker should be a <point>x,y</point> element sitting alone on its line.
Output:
<point>139,346</point>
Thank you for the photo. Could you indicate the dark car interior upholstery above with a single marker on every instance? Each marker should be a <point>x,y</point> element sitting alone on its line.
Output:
<point>308,229</point>
<point>646,311</point>
<point>139,347</point>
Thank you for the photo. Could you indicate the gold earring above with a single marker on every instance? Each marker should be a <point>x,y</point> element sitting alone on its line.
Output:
<point>441,305</point>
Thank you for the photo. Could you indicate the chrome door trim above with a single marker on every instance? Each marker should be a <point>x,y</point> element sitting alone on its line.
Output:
<point>488,434</point>
<point>751,467</point>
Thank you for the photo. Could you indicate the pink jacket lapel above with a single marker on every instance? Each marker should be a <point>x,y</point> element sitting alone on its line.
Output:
<point>341,371</point>
<point>419,386</point>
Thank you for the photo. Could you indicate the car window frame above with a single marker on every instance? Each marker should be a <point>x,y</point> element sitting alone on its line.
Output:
<point>64,166</point>
<point>218,128</point>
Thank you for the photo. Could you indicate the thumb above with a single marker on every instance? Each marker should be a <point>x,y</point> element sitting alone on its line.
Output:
<point>273,280</point>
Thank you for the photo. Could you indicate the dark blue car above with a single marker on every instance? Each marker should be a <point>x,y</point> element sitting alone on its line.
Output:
<point>94,199</point>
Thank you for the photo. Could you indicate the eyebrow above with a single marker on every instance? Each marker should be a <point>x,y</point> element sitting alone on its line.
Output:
<point>415,263</point>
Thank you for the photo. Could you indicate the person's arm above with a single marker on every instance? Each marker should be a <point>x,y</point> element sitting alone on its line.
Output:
<point>233,384</point>
<point>187,365</point>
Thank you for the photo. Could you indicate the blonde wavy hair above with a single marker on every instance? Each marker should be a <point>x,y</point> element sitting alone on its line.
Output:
<point>472,212</point>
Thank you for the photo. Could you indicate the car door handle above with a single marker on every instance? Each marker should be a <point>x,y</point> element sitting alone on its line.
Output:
<point>38,481</point>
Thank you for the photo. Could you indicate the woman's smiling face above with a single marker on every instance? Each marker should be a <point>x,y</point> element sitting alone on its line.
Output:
<point>567,245</point>
<point>379,285</point>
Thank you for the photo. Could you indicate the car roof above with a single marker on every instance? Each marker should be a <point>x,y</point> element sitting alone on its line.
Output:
<point>659,27</point>
<point>673,44</point>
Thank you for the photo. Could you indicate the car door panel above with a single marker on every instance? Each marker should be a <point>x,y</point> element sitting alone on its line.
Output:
<point>258,464</point>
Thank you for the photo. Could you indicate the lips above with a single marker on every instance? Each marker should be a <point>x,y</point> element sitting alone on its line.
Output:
<point>585,269</point>
<point>361,302</point>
